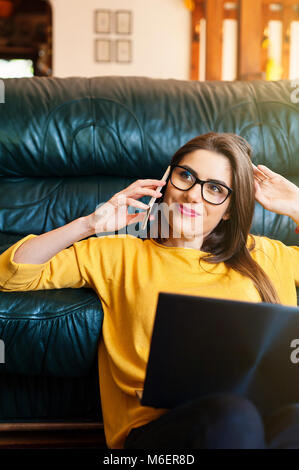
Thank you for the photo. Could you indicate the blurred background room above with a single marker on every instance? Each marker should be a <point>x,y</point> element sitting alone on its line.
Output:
<point>179,39</point>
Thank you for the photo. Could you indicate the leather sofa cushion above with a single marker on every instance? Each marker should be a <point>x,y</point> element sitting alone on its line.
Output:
<point>43,398</point>
<point>52,333</point>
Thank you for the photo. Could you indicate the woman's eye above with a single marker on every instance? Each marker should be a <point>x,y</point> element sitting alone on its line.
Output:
<point>215,188</point>
<point>186,174</point>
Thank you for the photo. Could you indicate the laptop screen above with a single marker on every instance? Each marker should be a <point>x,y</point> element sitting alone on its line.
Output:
<point>201,346</point>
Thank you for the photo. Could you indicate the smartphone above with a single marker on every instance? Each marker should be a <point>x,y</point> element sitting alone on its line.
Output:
<point>151,203</point>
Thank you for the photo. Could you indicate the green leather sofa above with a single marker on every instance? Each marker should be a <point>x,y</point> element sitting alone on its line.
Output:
<point>67,145</point>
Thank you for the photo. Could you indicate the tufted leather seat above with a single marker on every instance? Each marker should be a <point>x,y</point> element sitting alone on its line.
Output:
<point>69,144</point>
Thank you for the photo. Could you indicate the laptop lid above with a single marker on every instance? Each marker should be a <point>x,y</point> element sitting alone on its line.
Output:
<point>201,346</point>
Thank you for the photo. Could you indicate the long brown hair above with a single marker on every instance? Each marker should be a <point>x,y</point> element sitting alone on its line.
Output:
<point>228,241</point>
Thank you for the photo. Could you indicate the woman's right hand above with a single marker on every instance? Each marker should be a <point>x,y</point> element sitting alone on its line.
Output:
<point>113,215</point>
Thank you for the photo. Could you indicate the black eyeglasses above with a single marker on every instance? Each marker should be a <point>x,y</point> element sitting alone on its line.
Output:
<point>211,191</point>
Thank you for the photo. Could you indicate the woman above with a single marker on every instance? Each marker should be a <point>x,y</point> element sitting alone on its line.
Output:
<point>212,256</point>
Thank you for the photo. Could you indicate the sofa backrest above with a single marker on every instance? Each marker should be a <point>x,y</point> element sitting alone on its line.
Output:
<point>68,144</point>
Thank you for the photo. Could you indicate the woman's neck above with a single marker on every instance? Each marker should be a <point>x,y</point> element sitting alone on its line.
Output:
<point>192,244</point>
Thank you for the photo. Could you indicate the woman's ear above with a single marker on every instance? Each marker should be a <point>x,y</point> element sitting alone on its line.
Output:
<point>226,216</point>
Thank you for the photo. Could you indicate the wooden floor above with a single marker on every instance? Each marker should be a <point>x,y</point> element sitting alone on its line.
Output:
<point>52,436</point>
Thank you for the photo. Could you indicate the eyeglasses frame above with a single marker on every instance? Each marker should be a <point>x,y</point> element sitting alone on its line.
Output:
<point>201,182</point>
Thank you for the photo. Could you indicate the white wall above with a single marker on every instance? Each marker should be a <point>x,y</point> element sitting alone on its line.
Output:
<point>161,38</point>
<point>230,50</point>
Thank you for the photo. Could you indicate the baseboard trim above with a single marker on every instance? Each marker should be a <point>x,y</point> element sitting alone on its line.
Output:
<point>52,426</point>
<point>54,435</point>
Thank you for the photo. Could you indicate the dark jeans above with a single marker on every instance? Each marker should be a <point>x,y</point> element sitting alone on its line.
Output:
<point>219,421</point>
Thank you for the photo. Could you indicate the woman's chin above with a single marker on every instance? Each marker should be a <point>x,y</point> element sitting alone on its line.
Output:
<point>187,229</point>
<point>182,226</point>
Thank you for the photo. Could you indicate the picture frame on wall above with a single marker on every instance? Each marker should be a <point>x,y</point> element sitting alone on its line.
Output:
<point>102,21</point>
<point>103,50</point>
<point>123,22</point>
<point>123,51</point>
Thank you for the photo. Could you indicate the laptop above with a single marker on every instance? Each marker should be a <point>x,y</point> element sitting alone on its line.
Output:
<point>202,346</point>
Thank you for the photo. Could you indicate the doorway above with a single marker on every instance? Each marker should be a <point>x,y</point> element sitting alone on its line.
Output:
<point>25,38</point>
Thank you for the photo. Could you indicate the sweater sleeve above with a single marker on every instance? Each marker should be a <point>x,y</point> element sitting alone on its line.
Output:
<point>294,256</point>
<point>282,256</point>
<point>65,269</point>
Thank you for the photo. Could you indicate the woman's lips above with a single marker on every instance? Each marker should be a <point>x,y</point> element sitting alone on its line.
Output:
<point>188,212</point>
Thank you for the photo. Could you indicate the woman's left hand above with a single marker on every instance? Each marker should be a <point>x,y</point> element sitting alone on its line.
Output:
<point>274,192</point>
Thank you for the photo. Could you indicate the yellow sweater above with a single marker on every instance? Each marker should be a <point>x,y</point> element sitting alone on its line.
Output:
<point>127,273</point>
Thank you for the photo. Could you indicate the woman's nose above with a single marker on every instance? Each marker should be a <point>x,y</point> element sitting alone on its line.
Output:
<point>194,194</point>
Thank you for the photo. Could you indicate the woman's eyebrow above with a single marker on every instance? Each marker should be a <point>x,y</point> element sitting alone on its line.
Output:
<point>209,179</point>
